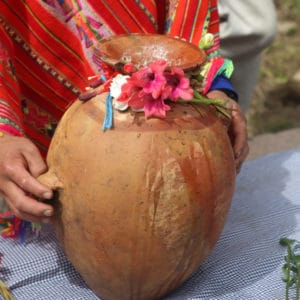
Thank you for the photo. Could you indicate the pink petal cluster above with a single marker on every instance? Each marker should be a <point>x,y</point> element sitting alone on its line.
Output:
<point>149,87</point>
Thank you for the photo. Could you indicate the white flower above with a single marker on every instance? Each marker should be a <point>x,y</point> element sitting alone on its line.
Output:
<point>116,85</point>
<point>118,105</point>
<point>115,91</point>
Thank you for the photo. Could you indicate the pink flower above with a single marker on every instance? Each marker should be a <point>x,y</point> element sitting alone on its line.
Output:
<point>178,86</point>
<point>150,86</point>
<point>154,78</point>
<point>145,86</point>
<point>156,108</point>
<point>152,107</point>
<point>129,89</point>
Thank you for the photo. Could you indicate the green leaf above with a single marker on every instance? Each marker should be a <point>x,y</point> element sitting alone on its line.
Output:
<point>290,283</point>
<point>297,259</point>
<point>286,241</point>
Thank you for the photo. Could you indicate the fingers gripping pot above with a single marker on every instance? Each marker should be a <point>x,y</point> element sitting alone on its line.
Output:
<point>140,206</point>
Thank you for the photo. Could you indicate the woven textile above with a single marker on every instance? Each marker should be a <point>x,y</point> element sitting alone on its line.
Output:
<point>47,50</point>
<point>245,264</point>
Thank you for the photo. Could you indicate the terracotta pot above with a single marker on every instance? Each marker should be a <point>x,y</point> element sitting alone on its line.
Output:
<point>141,206</point>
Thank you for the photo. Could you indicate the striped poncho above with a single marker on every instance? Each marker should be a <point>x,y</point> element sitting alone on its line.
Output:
<point>48,51</point>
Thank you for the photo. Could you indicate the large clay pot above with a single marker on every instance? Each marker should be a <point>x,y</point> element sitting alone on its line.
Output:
<point>141,206</point>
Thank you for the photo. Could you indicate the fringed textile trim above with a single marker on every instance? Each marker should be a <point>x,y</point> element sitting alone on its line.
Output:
<point>5,291</point>
<point>13,227</point>
<point>214,67</point>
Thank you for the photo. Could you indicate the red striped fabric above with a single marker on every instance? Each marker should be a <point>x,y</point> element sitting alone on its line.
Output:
<point>52,47</point>
<point>127,16</point>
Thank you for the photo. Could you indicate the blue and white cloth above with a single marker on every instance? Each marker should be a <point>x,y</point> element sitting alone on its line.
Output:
<point>246,263</point>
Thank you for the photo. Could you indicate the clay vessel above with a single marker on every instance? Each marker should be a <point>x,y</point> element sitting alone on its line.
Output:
<point>139,207</point>
<point>142,49</point>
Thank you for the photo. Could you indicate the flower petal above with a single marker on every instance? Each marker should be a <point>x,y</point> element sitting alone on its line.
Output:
<point>156,108</point>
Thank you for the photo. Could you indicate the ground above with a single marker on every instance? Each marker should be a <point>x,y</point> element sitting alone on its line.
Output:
<point>276,103</point>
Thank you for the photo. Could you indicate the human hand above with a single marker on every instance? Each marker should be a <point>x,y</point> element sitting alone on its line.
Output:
<point>237,128</point>
<point>20,165</point>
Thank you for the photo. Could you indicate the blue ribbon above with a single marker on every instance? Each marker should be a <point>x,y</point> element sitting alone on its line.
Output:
<point>108,119</point>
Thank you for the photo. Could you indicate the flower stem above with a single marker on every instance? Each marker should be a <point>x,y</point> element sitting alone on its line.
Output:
<point>220,104</point>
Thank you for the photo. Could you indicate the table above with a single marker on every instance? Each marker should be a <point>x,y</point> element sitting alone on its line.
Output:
<point>245,264</point>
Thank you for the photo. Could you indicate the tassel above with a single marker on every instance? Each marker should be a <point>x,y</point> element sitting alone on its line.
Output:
<point>217,66</point>
<point>23,226</point>
<point>10,224</point>
<point>5,291</point>
<point>13,227</point>
<point>226,69</point>
<point>108,119</point>
<point>214,65</point>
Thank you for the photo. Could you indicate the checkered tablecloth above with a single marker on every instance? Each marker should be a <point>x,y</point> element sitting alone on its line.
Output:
<point>245,264</point>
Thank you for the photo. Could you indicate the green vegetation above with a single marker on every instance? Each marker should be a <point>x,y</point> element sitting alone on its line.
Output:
<point>291,267</point>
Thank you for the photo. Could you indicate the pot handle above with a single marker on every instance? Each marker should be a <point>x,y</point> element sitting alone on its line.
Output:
<point>51,180</point>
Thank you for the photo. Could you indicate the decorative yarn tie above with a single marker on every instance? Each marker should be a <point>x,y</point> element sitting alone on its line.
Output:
<point>108,119</point>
